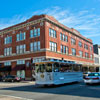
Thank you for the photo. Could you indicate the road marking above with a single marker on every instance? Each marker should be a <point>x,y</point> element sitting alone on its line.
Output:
<point>16,97</point>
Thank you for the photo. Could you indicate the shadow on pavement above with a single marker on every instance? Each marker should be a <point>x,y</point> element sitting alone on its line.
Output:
<point>71,89</point>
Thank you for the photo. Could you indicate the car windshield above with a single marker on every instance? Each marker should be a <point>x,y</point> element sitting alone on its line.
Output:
<point>94,74</point>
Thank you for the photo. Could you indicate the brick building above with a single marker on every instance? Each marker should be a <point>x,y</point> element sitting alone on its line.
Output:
<point>96,48</point>
<point>38,38</point>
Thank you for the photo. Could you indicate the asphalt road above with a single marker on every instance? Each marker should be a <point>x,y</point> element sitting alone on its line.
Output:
<point>29,91</point>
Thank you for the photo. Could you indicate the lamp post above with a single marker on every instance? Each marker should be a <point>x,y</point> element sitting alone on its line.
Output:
<point>31,67</point>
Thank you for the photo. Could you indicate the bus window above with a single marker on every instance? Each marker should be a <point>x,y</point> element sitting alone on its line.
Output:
<point>42,67</point>
<point>49,67</point>
<point>36,68</point>
<point>56,67</point>
<point>76,68</point>
<point>65,68</point>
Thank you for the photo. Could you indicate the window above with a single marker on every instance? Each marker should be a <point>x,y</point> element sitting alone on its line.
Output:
<point>20,62</point>
<point>63,37</point>
<point>21,36</point>
<point>90,48</point>
<point>73,51</point>
<point>8,51</point>
<point>80,44</point>
<point>81,53</point>
<point>96,60</point>
<point>53,46</point>
<point>64,49</point>
<point>34,32</point>
<point>73,41</point>
<point>52,33</point>
<point>8,40</point>
<point>86,46</point>
<point>91,56</point>
<point>8,63</point>
<point>35,46</point>
<point>20,49</point>
<point>60,36</point>
<point>86,55</point>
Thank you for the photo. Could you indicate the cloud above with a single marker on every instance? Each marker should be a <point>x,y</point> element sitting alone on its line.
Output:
<point>6,22</point>
<point>85,21</point>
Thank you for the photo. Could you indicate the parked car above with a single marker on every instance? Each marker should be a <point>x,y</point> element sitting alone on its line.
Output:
<point>11,78</point>
<point>0,78</point>
<point>93,77</point>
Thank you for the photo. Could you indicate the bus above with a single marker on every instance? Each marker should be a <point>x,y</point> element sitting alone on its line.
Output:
<point>56,72</point>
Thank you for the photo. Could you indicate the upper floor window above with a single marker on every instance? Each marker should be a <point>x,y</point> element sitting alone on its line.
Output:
<point>52,33</point>
<point>20,62</point>
<point>35,32</point>
<point>73,52</point>
<point>8,40</point>
<point>8,63</point>
<point>21,36</point>
<point>8,51</point>
<point>86,55</point>
<point>86,46</point>
<point>63,37</point>
<point>80,53</point>
<point>80,44</point>
<point>73,41</point>
<point>20,49</point>
<point>53,46</point>
<point>90,48</point>
<point>64,49</point>
<point>35,46</point>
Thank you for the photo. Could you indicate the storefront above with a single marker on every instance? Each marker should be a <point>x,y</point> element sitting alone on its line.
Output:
<point>4,71</point>
<point>20,71</point>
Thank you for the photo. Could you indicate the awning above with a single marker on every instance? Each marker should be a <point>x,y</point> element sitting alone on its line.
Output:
<point>19,67</point>
<point>5,69</point>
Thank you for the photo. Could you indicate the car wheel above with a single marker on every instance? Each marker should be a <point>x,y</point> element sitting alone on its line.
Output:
<point>87,84</point>
<point>12,80</point>
<point>4,80</point>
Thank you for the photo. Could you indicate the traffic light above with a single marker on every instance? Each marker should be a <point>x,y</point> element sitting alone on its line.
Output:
<point>31,60</point>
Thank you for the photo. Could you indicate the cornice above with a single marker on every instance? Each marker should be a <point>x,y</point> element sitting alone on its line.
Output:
<point>13,28</point>
<point>47,19</point>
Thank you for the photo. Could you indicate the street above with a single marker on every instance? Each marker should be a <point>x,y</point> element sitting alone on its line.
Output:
<point>29,91</point>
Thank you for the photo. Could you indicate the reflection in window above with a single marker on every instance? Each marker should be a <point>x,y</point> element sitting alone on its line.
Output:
<point>56,67</point>
<point>76,68</point>
<point>49,67</point>
<point>35,32</point>
<point>52,33</point>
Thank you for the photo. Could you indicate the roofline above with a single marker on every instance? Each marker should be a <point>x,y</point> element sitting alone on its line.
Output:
<point>25,23</point>
<point>67,30</point>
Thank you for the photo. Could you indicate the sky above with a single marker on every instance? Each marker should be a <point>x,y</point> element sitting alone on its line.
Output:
<point>83,15</point>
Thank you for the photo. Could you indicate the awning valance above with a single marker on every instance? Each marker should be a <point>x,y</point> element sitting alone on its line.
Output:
<point>19,67</point>
<point>5,69</point>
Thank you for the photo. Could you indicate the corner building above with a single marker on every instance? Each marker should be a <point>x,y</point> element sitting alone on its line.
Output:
<point>38,38</point>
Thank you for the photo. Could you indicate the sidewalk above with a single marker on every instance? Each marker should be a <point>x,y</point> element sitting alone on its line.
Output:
<point>16,84</point>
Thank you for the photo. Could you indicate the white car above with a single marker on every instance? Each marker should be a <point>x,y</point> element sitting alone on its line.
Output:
<point>93,77</point>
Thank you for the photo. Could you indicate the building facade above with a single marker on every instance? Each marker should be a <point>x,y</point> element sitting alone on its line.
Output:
<point>38,38</point>
<point>96,48</point>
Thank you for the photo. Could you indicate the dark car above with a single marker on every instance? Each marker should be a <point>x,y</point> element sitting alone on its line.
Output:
<point>0,78</point>
<point>11,78</point>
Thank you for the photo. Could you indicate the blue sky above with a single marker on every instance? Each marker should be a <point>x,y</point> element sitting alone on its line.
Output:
<point>83,15</point>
